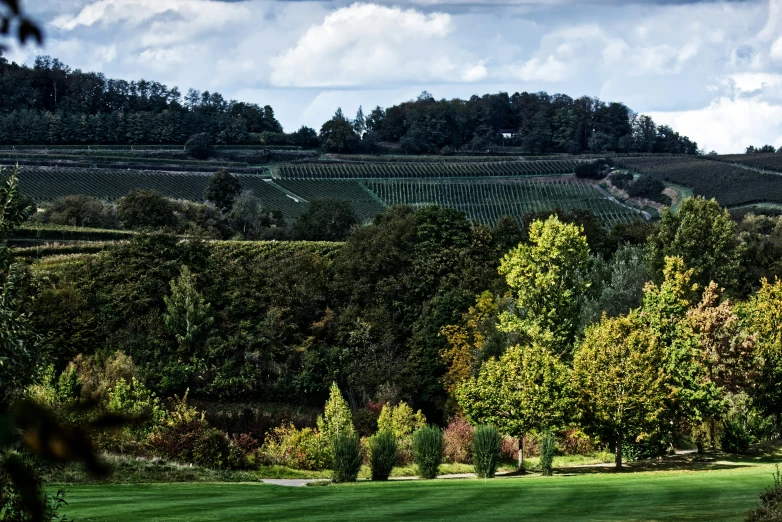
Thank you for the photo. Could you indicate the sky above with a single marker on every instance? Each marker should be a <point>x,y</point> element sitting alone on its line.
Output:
<point>712,69</point>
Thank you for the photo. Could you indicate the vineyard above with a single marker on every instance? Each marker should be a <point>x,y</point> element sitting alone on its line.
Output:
<point>487,201</point>
<point>364,203</point>
<point>310,171</point>
<point>772,162</point>
<point>728,184</point>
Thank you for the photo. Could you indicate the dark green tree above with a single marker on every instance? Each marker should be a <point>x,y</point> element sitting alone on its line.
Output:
<point>338,134</point>
<point>222,190</point>
<point>325,219</point>
<point>145,210</point>
<point>199,146</point>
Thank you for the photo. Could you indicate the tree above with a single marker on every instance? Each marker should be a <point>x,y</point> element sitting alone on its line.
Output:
<point>246,213</point>
<point>618,380</point>
<point>763,317</point>
<point>19,346</point>
<point>188,315</point>
<point>326,219</point>
<point>222,190</point>
<point>547,283</point>
<point>337,420</point>
<point>338,135</point>
<point>199,146</point>
<point>525,389</point>
<point>360,123</point>
<point>686,234</point>
<point>26,27</point>
<point>145,210</point>
<point>725,351</point>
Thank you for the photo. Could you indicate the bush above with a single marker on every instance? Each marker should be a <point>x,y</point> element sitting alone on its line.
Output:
<point>643,449</point>
<point>428,451</point>
<point>510,448</point>
<point>486,448</point>
<point>592,170</point>
<point>80,211</point>
<point>548,447</point>
<point>770,509</point>
<point>199,146</point>
<point>347,456</point>
<point>382,452</point>
<point>401,420</point>
<point>646,187</point>
<point>300,449</point>
<point>145,210</point>
<point>457,439</point>
<point>735,437</point>
<point>622,180</point>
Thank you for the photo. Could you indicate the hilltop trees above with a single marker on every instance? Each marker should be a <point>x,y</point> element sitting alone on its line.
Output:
<point>339,135</point>
<point>326,219</point>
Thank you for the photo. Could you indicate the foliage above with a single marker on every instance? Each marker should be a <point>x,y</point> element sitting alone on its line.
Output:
<point>548,448</point>
<point>222,190</point>
<point>683,234</point>
<point>734,436</point>
<point>347,457</point>
<point>145,210</point>
<point>486,447</point>
<point>619,380</point>
<point>763,316</point>
<point>591,170</point>
<point>400,420</point>
<point>646,187</point>
<point>546,280</point>
<point>199,146</point>
<point>472,341</point>
<point>382,454</point>
<point>337,420</point>
<point>135,400</point>
<point>457,441</point>
<point>298,449</point>
<point>428,451</point>
<point>770,509</point>
<point>325,219</point>
<point>81,211</point>
<point>188,316</point>
<point>338,135</point>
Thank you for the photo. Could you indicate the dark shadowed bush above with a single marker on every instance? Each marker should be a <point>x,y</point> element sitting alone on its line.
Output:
<point>548,447</point>
<point>735,437</point>
<point>347,459</point>
<point>770,509</point>
<point>428,451</point>
<point>199,146</point>
<point>591,170</point>
<point>486,448</point>
<point>382,449</point>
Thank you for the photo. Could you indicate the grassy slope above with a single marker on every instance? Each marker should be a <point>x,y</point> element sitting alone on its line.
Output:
<point>705,495</point>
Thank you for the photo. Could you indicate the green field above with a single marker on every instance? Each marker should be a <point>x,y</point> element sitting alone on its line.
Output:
<point>704,495</point>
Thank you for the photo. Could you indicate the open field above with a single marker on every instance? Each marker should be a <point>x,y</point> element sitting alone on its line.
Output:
<point>706,495</point>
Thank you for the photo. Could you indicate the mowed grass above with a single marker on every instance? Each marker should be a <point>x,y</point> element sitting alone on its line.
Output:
<point>665,495</point>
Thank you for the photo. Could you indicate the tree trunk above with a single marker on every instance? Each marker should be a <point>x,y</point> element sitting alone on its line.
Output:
<point>712,432</point>
<point>521,453</point>
<point>619,453</point>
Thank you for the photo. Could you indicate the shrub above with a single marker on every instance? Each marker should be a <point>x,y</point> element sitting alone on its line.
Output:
<point>622,180</point>
<point>646,187</point>
<point>401,420</point>
<point>337,420</point>
<point>591,170</point>
<point>576,442</point>
<point>548,447</point>
<point>735,437</point>
<point>643,449</point>
<point>199,146</point>
<point>145,210</point>
<point>457,440</point>
<point>486,448</point>
<point>428,451</point>
<point>80,211</point>
<point>770,509</point>
<point>300,449</point>
<point>347,458</point>
<point>382,454</point>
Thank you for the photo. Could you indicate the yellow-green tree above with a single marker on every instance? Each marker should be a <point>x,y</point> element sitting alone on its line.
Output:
<point>763,317</point>
<point>526,389</point>
<point>337,420</point>
<point>546,280</point>
<point>400,420</point>
<point>619,380</point>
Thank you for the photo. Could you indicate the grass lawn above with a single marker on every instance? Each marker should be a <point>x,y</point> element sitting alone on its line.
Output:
<point>725,494</point>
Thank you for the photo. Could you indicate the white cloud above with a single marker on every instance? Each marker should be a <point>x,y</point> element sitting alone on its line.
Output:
<point>369,44</point>
<point>728,124</point>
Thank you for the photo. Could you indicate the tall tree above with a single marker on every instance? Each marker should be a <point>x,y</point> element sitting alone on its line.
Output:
<point>525,389</point>
<point>338,134</point>
<point>222,189</point>
<point>187,316</point>
<point>546,280</point>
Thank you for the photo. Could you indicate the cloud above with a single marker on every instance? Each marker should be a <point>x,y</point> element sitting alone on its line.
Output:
<point>370,45</point>
<point>728,124</point>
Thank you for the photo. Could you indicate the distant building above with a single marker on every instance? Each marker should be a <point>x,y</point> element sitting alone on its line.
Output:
<point>509,133</point>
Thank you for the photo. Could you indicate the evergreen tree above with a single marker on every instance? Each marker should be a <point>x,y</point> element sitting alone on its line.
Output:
<point>337,420</point>
<point>188,315</point>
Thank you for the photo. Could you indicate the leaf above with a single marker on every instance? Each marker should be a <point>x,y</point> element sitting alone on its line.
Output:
<point>25,484</point>
<point>13,5</point>
<point>28,29</point>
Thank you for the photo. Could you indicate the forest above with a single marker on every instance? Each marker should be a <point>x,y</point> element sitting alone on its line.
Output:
<point>51,104</point>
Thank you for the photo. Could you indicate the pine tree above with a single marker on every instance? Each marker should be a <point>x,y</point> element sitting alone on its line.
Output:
<point>337,420</point>
<point>360,123</point>
<point>187,315</point>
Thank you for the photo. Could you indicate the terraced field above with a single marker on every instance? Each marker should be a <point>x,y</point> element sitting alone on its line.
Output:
<point>730,185</point>
<point>487,201</point>
<point>426,170</point>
